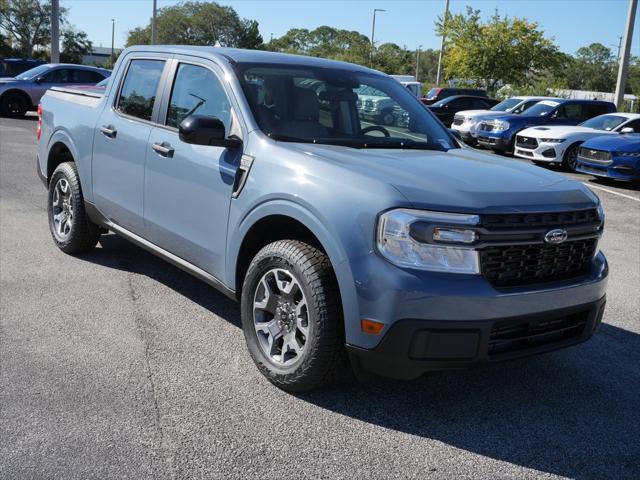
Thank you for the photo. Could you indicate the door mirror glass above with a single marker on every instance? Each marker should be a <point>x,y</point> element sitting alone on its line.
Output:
<point>206,130</point>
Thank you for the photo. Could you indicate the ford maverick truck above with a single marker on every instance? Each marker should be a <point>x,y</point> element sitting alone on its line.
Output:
<point>350,244</point>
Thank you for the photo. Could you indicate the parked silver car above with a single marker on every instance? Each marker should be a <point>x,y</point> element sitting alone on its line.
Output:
<point>23,92</point>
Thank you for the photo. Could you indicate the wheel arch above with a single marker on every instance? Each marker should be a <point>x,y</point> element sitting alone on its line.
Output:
<point>20,92</point>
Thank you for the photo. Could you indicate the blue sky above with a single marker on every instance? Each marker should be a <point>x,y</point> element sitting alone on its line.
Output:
<point>573,23</point>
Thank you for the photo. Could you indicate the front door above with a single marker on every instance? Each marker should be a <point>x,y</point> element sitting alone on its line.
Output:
<point>188,187</point>
<point>120,144</point>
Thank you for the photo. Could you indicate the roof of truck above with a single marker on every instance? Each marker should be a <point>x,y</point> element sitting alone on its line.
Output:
<point>249,56</point>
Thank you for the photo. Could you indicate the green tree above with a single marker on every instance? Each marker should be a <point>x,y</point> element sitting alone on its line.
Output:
<point>28,23</point>
<point>75,45</point>
<point>501,51</point>
<point>5,47</point>
<point>199,23</point>
<point>593,68</point>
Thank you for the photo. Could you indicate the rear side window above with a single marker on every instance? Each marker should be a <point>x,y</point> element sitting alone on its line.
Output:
<point>593,110</point>
<point>197,90</point>
<point>138,93</point>
<point>86,76</point>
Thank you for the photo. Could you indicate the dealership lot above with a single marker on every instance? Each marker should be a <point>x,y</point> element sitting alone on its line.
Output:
<point>117,365</point>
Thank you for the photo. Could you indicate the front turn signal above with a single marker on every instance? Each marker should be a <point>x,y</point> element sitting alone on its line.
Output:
<point>370,326</point>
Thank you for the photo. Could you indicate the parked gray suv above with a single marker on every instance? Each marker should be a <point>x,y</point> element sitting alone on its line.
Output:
<point>393,250</point>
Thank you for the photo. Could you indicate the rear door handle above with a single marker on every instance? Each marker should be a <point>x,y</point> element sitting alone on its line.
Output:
<point>165,149</point>
<point>108,131</point>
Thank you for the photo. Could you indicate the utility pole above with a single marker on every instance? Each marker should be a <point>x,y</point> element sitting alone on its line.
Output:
<point>624,59</point>
<point>444,36</point>
<point>154,29</point>
<point>418,62</point>
<point>373,34</point>
<point>55,31</point>
<point>113,31</point>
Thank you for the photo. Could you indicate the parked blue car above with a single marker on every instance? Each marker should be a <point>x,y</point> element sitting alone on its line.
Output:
<point>499,133</point>
<point>616,157</point>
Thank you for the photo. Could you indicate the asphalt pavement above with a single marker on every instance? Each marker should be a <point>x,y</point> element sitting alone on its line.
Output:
<point>117,365</point>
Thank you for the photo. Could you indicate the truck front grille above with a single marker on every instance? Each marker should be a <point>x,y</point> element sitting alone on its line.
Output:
<point>515,265</point>
<point>546,219</point>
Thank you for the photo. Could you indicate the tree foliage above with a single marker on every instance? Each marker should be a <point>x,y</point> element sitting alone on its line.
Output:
<point>593,68</point>
<point>75,44</point>
<point>501,51</point>
<point>200,23</point>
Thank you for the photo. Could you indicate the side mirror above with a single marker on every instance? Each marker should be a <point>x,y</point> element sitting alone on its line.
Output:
<point>627,130</point>
<point>40,80</point>
<point>205,130</point>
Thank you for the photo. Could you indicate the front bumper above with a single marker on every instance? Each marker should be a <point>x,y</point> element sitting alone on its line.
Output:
<point>466,135</point>
<point>544,152</point>
<point>627,169</point>
<point>493,140</point>
<point>413,347</point>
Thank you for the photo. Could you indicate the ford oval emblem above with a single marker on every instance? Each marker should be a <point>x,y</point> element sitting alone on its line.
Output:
<point>556,236</point>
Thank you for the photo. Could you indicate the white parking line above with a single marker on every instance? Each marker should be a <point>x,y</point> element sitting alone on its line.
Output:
<point>612,192</point>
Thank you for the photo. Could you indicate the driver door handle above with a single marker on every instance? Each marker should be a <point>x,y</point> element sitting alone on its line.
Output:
<point>165,149</point>
<point>108,131</point>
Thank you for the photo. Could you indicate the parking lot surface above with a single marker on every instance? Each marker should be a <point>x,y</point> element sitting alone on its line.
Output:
<point>117,365</point>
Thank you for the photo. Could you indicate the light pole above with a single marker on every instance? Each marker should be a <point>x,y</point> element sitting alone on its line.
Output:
<point>373,33</point>
<point>418,62</point>
<point>113,31</point>
<point>444,36</point>
<point>55,31</point>
<point>624,58</point>
<point>154,32</point>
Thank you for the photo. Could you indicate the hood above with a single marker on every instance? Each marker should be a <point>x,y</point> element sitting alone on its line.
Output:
<point>615,143</point>
<point>560,131</point>
<point>9,80</point>
<point>460,180</point>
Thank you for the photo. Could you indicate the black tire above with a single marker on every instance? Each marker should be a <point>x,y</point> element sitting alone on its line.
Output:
<point>14,104</point>
<point>323,360</point>
<point>570,158</point>
<point>82,234</point>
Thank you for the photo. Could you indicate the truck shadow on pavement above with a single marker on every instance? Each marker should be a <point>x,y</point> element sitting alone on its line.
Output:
<point>574,412</point>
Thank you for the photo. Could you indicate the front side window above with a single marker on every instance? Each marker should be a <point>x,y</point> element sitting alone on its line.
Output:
<point>572,111</point>
<point>61,75</point>
<point>339,107</point>
<point>197,90</point>
<point>138,93</point>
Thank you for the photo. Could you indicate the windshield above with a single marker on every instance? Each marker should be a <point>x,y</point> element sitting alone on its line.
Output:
<point>541,108</point>
<point>433,93</point>
<point>604,122</point>
<point>506,105</point>
<point>338,107</point>
<point>33,73</point>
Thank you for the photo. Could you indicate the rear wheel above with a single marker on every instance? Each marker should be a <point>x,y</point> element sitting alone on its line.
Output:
<point>291,316</point>
<point>387,117</point>
<point>570,158</point>
<point>14,105</point>
<point>70,227</point>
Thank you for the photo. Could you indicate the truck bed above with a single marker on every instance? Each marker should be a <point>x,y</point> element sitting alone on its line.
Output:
<point>86,96</point>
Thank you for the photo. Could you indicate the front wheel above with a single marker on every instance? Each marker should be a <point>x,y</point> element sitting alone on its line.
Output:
<point>570,158</point>
<point>291,316</point>
<point>14,105</point>
<point>70,227</point>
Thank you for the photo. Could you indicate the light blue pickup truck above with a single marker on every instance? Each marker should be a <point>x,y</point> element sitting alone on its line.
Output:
<point>351,245</point>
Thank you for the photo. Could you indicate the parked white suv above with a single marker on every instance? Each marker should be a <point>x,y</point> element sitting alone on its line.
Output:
<point>560,144</point>
<point>466,121</point>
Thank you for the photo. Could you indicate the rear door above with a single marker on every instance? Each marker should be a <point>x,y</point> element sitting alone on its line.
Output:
<point>187,188</point>
<point>120,141</point>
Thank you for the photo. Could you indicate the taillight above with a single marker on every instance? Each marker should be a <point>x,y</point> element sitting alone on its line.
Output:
<point>39,127</point>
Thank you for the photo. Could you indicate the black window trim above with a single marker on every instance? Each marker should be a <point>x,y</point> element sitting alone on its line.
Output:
<point>159,90</point>
<point>167,90</point>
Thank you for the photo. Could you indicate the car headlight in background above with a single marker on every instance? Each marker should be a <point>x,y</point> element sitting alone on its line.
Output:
<point>452,254</point>
<point>628,154</point>
<point>500,125</point>
<point>552,140</point>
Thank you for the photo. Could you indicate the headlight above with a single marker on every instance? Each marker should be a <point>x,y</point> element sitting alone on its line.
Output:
<point>397,244</point>
<point>628,154</point>
<point>552,140</point>
<point>500,125</point>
